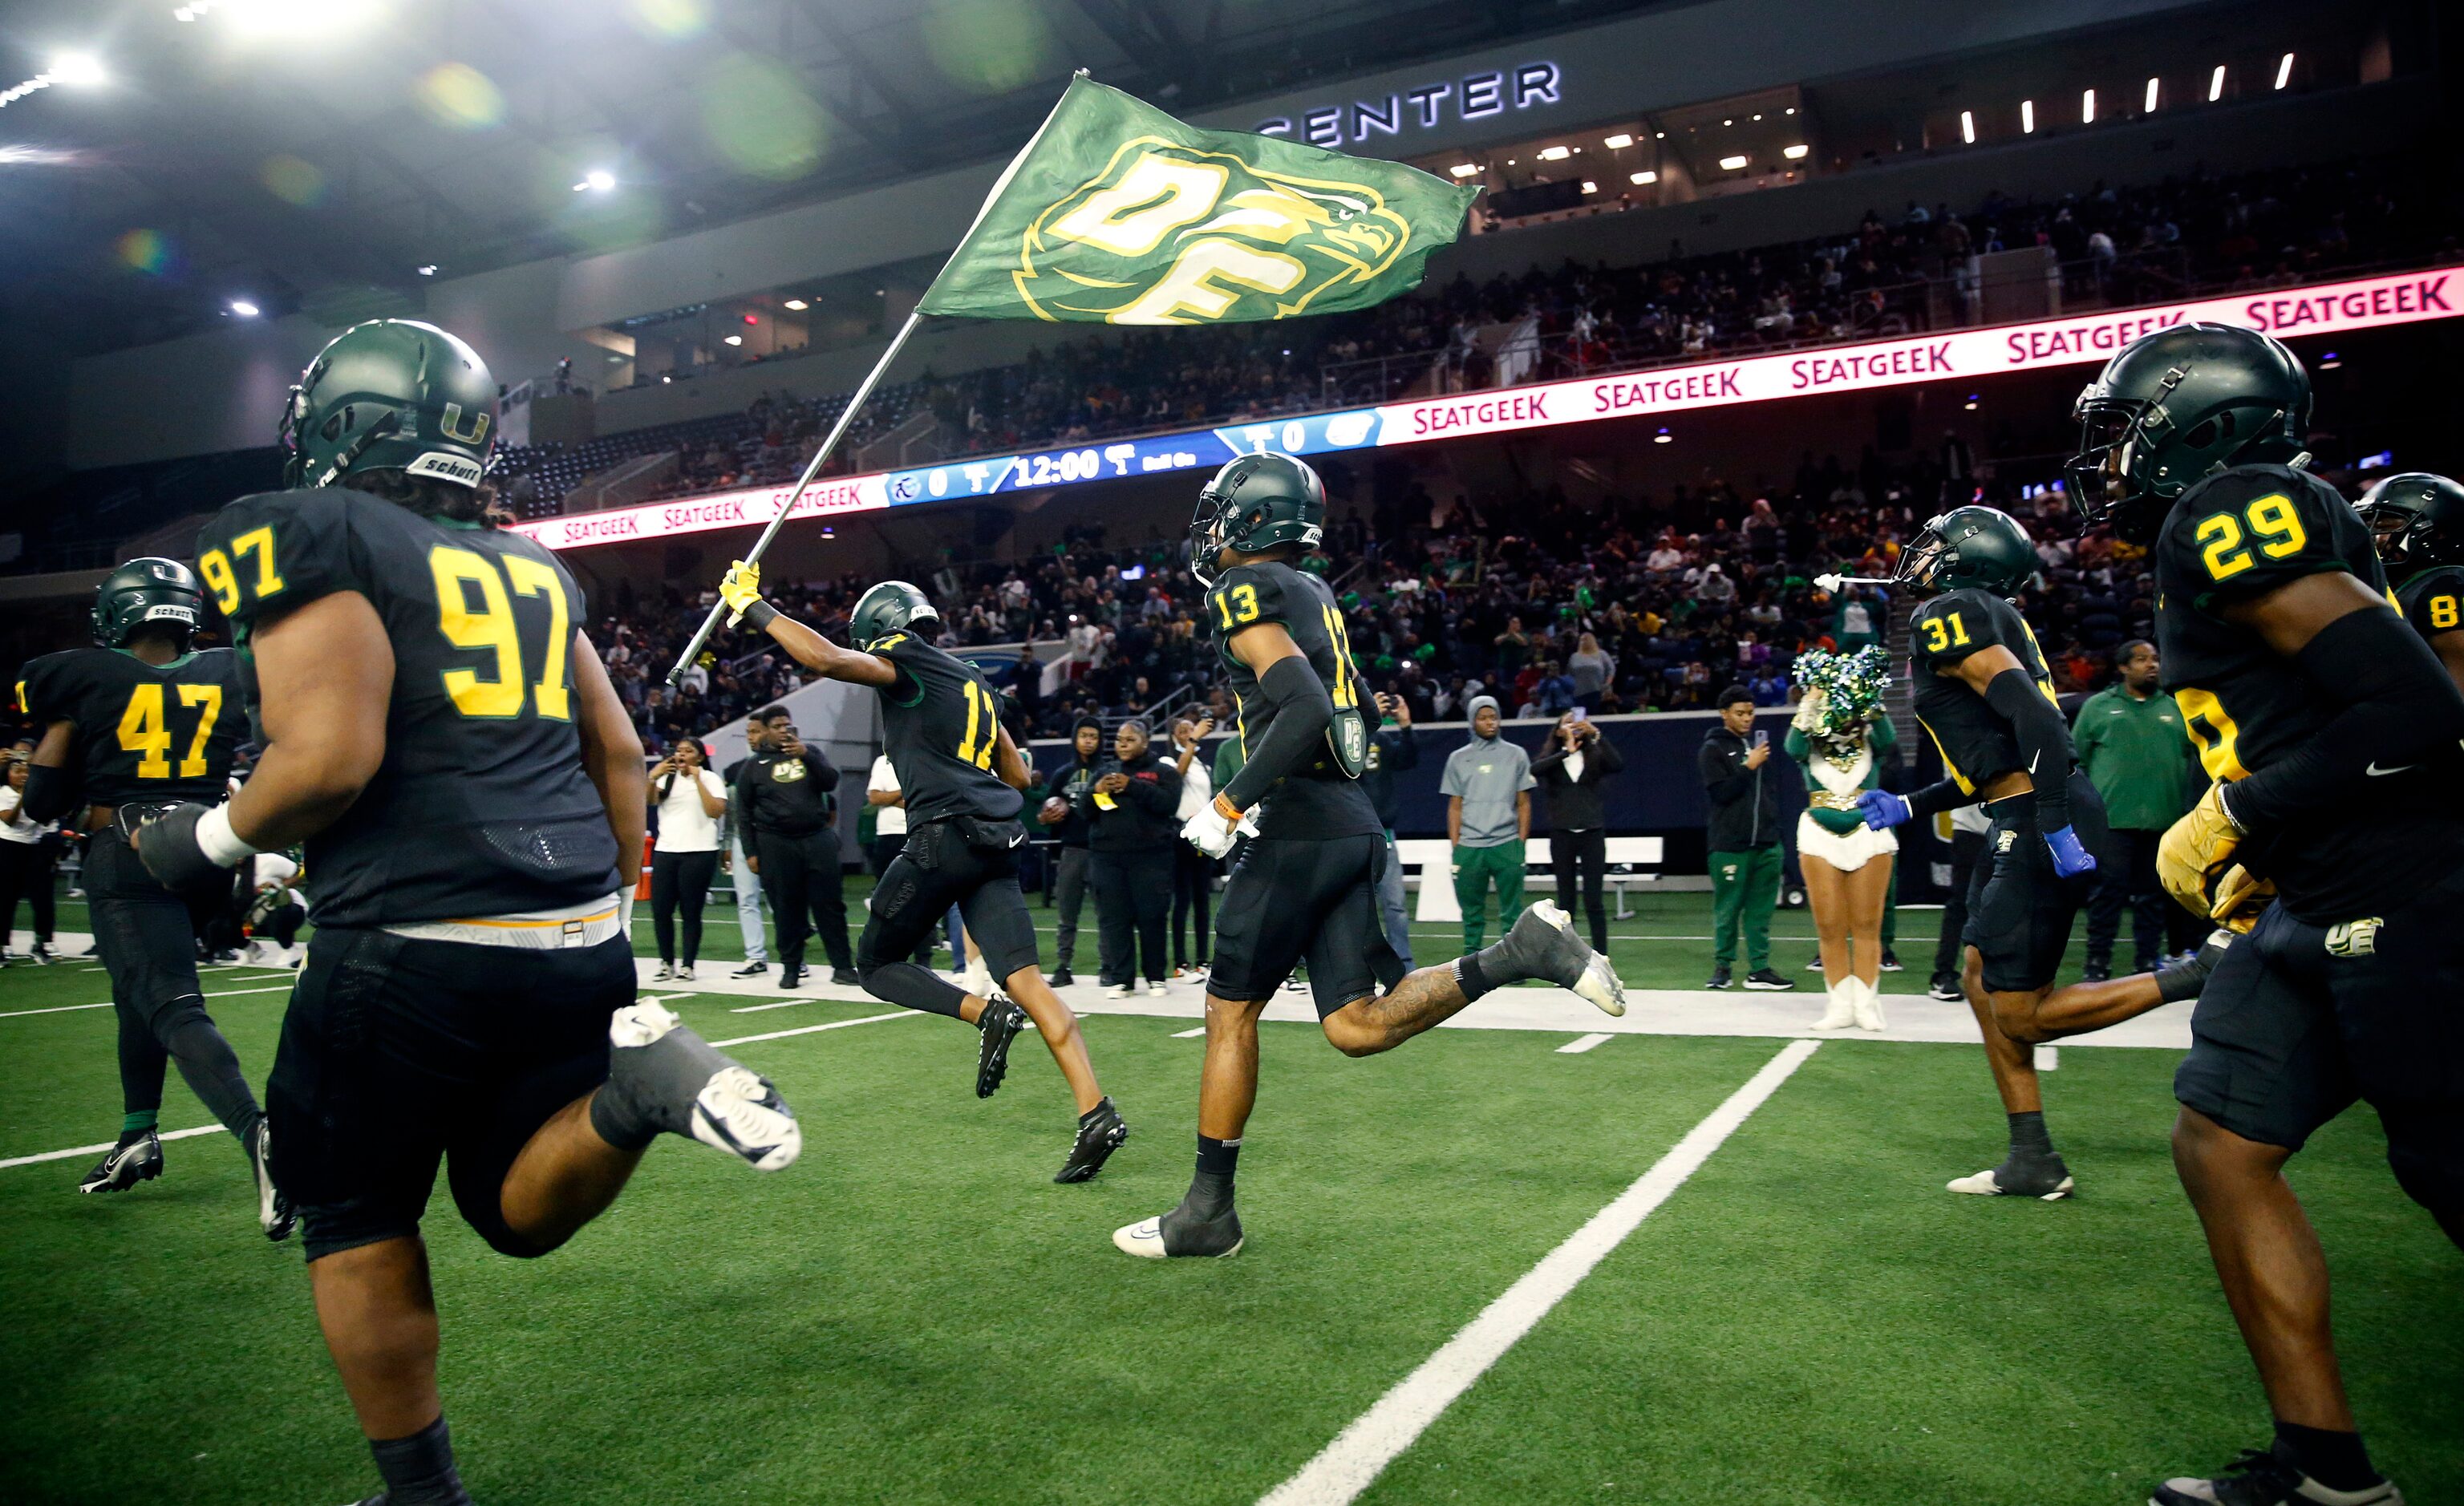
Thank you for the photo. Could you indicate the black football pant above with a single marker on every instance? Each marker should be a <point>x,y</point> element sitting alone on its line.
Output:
<point>1192,890</point>
<point>807,894</point>
<point>1966,848</point>
<point>1581,859</point>
<point>680,880</point>
<point>2132,883</point>
<point>884,852</point>
<point>147,939</point>
<point>1132,896</point>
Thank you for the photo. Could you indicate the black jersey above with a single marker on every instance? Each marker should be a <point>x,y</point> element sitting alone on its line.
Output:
<point>940,724</point>
<point>2234,536</point>
<point>143,731</point>
<point>1323,800</point>
<point>2430,600</point>
<point>1976,742</point>
<point>481,806</point>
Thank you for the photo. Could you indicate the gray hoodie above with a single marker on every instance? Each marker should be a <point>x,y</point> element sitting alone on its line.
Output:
<point>1487,773</point>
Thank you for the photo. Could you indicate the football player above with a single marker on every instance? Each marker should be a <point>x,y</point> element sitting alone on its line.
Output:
<point>2330,728</point>
<point>961,772</point>
<point>133,727</point>
<point>1986,698</point>
<point>1306,888</point>
<point>470,790</point>
<point>2417,521</point>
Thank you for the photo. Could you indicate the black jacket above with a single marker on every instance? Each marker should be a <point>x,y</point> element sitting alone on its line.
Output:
<point>1390,748</point>
<point>1069,781</point>
<point>1146,815</point>
<point>1577,805</point>
<point>794,807</point>
<point>1745,802</point>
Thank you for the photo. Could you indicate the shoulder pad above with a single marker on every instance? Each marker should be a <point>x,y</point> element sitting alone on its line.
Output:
<point>275,550</point>
<point>2244,532</point>
<point>1247,593</point>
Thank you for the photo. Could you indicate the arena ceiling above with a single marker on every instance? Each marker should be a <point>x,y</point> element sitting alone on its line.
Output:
<point>315,155</point>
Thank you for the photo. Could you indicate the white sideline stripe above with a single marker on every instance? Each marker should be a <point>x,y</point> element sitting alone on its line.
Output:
<point>756,1009</point>
<point>63,1009</point>
<point>97,1149</point>
<point>1184,1034</point>
<point>1582,1043</point>
<point>1345,1467</point>
<point>836,1024</point>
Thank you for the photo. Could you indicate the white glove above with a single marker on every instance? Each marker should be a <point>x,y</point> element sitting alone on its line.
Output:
<point>1212,832</point>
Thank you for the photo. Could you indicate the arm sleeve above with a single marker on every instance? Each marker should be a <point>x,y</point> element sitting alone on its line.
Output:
<point>1303,711</point>
<point>2396,706</point>
<point>2044,742</point>
<point>1943,794</point>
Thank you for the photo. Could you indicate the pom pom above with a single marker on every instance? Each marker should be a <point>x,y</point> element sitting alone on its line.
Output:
<point>1851,684</point>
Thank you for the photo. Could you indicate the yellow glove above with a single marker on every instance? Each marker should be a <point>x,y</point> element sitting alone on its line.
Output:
<point>740,588</point>
<point>2194,862</point>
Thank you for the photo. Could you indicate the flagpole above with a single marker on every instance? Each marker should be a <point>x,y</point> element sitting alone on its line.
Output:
<point>847,416</point>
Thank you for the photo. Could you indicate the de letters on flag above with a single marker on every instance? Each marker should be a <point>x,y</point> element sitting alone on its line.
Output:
<point>1117,213</point>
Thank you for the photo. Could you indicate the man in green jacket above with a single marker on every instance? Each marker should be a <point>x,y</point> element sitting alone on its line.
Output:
<point>2133,748</point>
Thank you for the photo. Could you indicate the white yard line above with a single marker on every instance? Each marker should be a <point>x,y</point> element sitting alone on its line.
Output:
<point>1187,1034</point>
<point>97,1149</point>
<point>1355,1459</point>
<point>215,993</point>
<point>836,1024</point>
<point>1582,1043</point>
<point>756,1009</point>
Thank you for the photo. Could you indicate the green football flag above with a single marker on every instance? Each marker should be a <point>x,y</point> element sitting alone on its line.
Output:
<point>1117,213</point>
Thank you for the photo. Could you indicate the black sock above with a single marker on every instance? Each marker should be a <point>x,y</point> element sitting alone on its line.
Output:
<point>2029,1138</point>
<point>419,1470</point>
<point>1210,1191</point>
<point>2333,1459</point>
<point>1470,977</point>
<point>212,1073</point>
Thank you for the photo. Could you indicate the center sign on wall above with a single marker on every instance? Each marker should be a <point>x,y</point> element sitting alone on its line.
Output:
<point>2325,309</point>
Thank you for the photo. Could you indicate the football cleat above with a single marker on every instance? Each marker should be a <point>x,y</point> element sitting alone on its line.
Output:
<point>1542,944</point>
<point>274,1212</point>
<point>1101,1130</point>
<point>125,1165</point>
<point>671,1078</point>
<point>1001,1022</point>
<point>1178,1233</point>
<point>2046,1180</point>
<point>2263,1480</point>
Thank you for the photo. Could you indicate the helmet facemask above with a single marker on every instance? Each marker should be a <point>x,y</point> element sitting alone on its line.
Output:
<point>1922,559</point>
<point>1206,536</point>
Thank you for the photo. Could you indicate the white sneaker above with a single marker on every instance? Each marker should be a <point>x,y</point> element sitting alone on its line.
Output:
<point>1156,991</point>
<point>1118,991</point>
<point>1868,1003</point>
<point>689,1087</point>
<point>1840,1007</point>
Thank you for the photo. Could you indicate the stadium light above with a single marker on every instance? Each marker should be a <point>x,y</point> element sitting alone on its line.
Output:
<point>799,305</point>
<point>1795,153</point>
<point>427,270</point>
<point>1732,164</point>
<point>1618,143</point>
<point>1463,169</point>
<point>734,340</point>
<point>1642,178</point>
<point>1590,186</point>
<point>598,180</point>
<point>2149,108</point>
<point>243,308</point>
<point>1662,437</point>
<point>1554,154</point>
<point>2027,117</point>
<point>2216,84</point>
<point>76,70</point>
<point>2284,70</point>
<point>1968,127</point>
<point>2087,107</point>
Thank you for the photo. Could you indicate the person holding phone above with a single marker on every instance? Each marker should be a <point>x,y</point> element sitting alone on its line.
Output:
<point>1193,872</point>
<point>1743,839</point>
<point>1578,761</point>
<point>690,800</point>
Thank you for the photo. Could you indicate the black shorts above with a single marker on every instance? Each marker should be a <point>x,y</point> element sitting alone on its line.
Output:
<point>2019,912</point>
<point>2298,1020</point>
<point>145,934</point>
<point>1289,902</point>
<point>936,869</point>
<point>397,1051</point>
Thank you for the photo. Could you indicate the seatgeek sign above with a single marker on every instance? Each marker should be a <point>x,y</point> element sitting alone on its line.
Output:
<point>1965,355</point>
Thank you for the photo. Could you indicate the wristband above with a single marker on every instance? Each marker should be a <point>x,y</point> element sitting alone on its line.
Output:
<point>2224,808</point>
<point>216,840</point>
<point>1224,807</point>
<point>757,614</point>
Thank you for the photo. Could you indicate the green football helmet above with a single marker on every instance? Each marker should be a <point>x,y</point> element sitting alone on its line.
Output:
<point>1981,547</point>
<point>144,592</point>
<point>893,606</point>
<point>2418,520</point>
<point>1255,503</point>
<point>391,395</point>
<point>2177,406</point>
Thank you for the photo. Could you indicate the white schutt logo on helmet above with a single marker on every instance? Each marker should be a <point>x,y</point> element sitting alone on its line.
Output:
<point>460,470</point>
<point>169,611</point>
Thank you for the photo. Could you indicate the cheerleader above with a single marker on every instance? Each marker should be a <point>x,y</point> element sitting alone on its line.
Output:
<point>1840,738</point>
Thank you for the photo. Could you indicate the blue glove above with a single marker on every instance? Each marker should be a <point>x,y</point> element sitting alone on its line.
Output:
<point>2070,857</point>
<point>1882,809</point>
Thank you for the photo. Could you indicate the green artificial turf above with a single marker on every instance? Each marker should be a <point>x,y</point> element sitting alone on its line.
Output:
<point>915,1314</point>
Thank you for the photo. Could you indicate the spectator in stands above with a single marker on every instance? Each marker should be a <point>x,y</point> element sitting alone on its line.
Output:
<point>690,802</point>
<point>2133,748</point>
<point>1132,805</point>
<point>1193,872</point>
<point>1069,814</point>
<point>735,859</point>
<point>1743,840</point>
<point>785,792</point>
<point>1487,784</point>
<point>1392,749</point>
<point>1593,670</point>
<point>1578,761</point>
